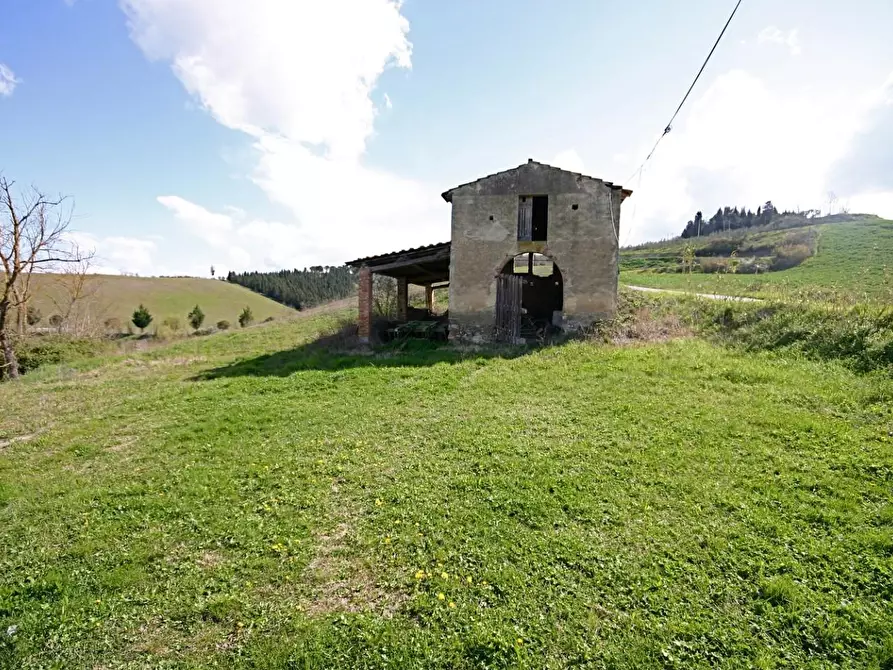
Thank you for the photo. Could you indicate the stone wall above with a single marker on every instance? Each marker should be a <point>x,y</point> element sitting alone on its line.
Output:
<point>582,241</point>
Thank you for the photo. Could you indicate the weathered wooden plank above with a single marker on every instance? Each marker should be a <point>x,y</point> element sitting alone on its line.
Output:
<point>525,219</point>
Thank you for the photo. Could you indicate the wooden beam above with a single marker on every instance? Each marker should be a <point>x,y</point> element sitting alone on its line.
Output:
<point>409,262</point>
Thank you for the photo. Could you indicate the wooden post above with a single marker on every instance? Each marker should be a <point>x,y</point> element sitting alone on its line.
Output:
<point>429,298</point>
<point>402,299</point>
<point>364,321</point>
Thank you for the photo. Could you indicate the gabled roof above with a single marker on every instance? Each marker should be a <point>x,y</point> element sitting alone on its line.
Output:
<point>419,265</point>
<point>414,252</point>
<point>448,195</point>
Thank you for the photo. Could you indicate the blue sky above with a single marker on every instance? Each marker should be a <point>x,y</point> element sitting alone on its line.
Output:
<point>283,133</point>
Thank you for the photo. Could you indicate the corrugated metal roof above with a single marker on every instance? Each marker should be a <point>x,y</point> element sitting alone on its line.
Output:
<point>383,257</point>
<point>447,195</point>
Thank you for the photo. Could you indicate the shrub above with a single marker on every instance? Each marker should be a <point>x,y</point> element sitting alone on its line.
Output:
<point>33,315</point>
<point>713,265</point>
<point>172,323</point>
<point>56,321</point>
<point>33,352</point>
<point>223,325</point>
<point>141,318</point>
<point>789,256</point>
<point>196,317</point>
<point>268,319</point>
<point>860,337</point>
<point>246,317</point>
<point>113,325</point>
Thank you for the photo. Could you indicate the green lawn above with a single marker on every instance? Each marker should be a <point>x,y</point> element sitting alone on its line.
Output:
<point>243,500</point>
<point>114,296</point>
<point>853,259</point>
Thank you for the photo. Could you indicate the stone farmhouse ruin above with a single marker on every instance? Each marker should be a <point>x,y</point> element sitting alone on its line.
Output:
<point>533,250</point>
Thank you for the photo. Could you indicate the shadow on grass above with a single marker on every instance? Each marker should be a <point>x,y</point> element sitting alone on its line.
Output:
<point>330,353</point>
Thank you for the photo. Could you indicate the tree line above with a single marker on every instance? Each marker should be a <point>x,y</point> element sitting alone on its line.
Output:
<point>300,289</point>
<point>732,218</point>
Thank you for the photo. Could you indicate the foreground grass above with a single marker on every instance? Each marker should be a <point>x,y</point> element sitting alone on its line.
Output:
<point>243,500</point>
<point>852,261</point>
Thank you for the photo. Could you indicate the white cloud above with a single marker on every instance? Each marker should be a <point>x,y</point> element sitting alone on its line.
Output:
<point>741,143</point>
<point>568,159</point>
<point>863,176</point>
<point>8,81</point>
<point>774,35</point>
<point>118,254</point>
<point>215,229</point>
<point>297,77</point>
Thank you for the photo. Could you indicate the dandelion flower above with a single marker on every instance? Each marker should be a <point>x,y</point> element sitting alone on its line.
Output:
<point>520,641</point>
<point>469,580</point>
<point>452,605</point>
<point>420,574</point>
<point>441,596</point>
<point>444,575</point>
<point>378,502</point>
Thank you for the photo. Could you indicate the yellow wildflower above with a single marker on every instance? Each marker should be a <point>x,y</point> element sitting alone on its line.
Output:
<point>452,604</point>
<point>469,580</point>
<point>520,641</point>
<point>444,575</point>
<point>420,574</point>
<point>441,596</point>
<point>378,502</point>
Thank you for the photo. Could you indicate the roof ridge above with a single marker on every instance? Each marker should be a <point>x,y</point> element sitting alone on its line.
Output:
<point>447,195</point>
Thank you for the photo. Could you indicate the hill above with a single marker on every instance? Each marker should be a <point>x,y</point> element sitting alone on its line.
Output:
<point>851,259</point>
<point>252,500</point>
<point>116,297</point>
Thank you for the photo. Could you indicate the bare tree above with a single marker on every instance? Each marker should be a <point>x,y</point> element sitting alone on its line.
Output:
<point>32,239</point>
<point>832,200</point>
<point>74,297</point>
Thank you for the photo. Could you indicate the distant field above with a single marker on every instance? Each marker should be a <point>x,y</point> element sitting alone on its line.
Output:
<point>248,500</point>
<point>111,296</point>
<point>853,259</point>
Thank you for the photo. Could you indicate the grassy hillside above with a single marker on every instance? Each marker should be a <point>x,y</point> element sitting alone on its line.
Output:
<point>854,259</point>
<point>249,500</point>
<point>111,296</point>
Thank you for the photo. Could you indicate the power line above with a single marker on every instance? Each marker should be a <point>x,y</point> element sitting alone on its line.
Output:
<point>669,126</point>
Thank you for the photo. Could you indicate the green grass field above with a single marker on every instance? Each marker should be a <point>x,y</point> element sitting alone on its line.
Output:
<point>114,296</point>
<point>248,500</point>
<point>853,260</point>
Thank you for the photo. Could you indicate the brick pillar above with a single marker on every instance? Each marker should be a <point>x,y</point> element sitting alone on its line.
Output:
<point>429,298</point>
<point>402,298</point>
<point>364,321</point>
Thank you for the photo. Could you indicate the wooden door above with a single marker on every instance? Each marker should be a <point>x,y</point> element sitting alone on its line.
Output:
<point>508,307</point>
<point>525,219</point>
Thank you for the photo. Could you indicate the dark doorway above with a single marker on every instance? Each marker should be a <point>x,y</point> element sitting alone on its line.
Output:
<point>533,218</point>
<point>537,312</point>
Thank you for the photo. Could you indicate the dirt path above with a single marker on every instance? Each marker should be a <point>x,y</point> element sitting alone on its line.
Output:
<point>709,296</point>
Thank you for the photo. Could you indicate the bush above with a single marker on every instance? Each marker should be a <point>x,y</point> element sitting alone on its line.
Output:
<point>141,318</point>
<point>223,325</point>
<point>713,265</point>
<point>789,256</point>
<point>860,337</point>
<point>246,317</point>
<point>33,315</point>
<point>33,352</point>
<point>196,317</point>
<point>113,325</point>
<point>172,323</point>
<point>269,319</point>
<point>56,321</point>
